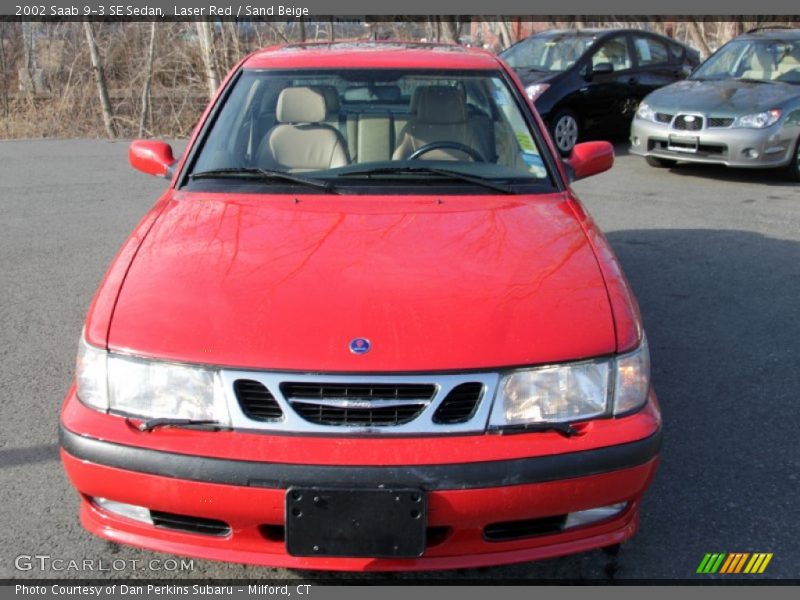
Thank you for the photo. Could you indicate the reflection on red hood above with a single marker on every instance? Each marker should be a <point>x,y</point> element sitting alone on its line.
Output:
<point>275,282</point>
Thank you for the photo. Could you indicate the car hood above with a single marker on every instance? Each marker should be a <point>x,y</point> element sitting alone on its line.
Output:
<point>725,98</point>
<point>435,283</point>
<point>528,77</point>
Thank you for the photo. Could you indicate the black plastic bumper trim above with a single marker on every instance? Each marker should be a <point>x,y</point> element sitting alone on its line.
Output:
<point>460,476</point>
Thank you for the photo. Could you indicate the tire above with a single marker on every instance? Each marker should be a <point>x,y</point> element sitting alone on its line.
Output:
<point>566,131</point>
<point>660,163</point>
<point>792,170</point>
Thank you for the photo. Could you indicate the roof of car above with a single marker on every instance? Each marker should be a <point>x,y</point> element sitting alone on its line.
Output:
<point>371,54</point>
<point>772,33</point>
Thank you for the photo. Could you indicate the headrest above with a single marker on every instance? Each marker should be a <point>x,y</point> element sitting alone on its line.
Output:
<point>331,96</point>
<point>440,104</point>
<point>300,105</point>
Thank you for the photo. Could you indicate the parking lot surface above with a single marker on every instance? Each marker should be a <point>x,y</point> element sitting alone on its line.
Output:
<point>713,256</point>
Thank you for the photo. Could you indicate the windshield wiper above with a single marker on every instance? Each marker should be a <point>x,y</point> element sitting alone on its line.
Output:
<point>257,173</point>
<point>474,179</point>
<point>151,424</point>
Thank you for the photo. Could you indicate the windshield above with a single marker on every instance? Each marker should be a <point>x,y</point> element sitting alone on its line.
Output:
<point>346,125</point>
<point>550,53</point>
<point>762,60</point>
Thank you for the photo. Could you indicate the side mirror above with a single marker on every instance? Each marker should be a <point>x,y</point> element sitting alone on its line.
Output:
<point>151,157</point>
<point>590,158</point>
<point>601,68</point>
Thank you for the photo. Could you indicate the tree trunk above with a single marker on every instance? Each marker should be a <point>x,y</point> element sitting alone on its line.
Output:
<point>302,29</point>
<point>207,50</point>
<point>506,38</point>
<point>699,37</point>
<point>100,80</point>
<point>148,78</point>
<point>3,74</point>
<point>331,32</point>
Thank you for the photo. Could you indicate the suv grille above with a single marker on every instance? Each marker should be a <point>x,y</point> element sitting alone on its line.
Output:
<point>688,123</point>
<point>256,400</point>
<point>460,404</point>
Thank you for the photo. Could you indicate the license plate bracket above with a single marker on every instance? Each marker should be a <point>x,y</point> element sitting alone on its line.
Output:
<point>376,523</point>
<point>683,143</point>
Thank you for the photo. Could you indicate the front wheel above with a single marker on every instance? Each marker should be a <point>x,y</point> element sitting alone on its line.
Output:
<point>792,170</point>
<point>661,163</point>
<point>566,131</point>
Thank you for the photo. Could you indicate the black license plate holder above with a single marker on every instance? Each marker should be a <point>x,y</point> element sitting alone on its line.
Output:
<point>375,523</point>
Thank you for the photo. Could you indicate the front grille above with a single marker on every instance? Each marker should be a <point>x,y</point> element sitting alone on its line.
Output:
<point>256,400</point>
<point>688,123</point>
<point>720,121</point>
<point>358,391</point>
<point>344,404</point>
<point>663,117</point>
<point>460,404</point>
<point>189,524</point>
<point>379,416</point>
<point>515,530</point>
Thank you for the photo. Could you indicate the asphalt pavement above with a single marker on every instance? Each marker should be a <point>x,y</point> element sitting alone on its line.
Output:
<point>713,256</point>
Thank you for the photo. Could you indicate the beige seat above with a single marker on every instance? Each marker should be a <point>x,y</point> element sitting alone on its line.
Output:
<point>762,64</point>
<point>301,141</point>
<point>441,116</point>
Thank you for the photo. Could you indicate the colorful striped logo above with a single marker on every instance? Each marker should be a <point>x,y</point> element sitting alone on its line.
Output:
<point>736,562</point>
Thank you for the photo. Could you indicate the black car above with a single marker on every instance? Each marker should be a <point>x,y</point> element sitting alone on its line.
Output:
<point>590,81</point>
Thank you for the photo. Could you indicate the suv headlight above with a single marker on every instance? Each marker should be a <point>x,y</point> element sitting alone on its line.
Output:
<point>759,120</point>
<point>573,391</point>
<point>645,112</point>
<point>148,388</point>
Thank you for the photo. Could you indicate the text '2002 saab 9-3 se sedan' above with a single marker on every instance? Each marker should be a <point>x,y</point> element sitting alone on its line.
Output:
<point>368,327</point>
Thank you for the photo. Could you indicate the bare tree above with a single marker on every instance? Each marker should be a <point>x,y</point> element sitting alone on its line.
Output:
<point>697,31</point>
<point>100,80</point>
<point>207,51</point>
<point>148,79</point>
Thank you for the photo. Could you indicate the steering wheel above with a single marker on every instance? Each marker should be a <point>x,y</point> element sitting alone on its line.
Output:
<point>468,150</point>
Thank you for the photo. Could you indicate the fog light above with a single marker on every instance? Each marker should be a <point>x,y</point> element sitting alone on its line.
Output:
<point>584,517</point>
<point>129,511</point>
<point>635,140</point>
<point>750,153</point>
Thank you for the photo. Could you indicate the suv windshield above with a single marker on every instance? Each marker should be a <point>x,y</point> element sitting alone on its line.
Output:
<point>761,60</point>
<point>547,53</point>
<point>326,128</point>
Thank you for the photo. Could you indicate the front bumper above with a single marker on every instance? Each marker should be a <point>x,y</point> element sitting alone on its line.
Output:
<point>520,477</point>
<point>733,147</point>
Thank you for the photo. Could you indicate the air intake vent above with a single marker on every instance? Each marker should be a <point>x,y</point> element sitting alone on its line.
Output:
<point>256,400</point>
<point>189,524</point>
<point>515,530</point>
<point>460,404</point>
<point>720,121</point>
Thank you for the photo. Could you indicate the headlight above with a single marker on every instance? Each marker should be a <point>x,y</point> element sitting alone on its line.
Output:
<point>759,120</point>
<point>645,112</point>
<point>148,388</point>
<point>573,392</point>
<point>536,90</point>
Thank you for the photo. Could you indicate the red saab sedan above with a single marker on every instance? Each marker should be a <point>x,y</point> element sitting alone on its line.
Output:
<point>369,326</point>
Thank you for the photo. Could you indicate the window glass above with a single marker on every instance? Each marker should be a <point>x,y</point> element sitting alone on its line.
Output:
<point>614,52</point>
<point>326,123</point>
<point>650,51</point>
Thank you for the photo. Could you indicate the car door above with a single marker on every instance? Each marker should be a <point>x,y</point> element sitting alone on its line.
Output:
<point>654,68</point>
<point>607,73</point>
